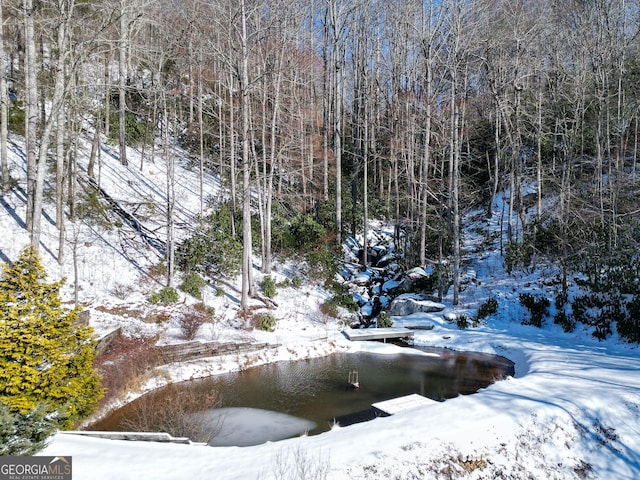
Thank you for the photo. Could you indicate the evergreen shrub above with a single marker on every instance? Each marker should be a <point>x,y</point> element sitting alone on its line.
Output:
<point>517,255</point>
<point>265,322</point>
<point>193,284</point>
<point>17,117</point>
<point>462,322</point>
<point>343,298</point>
<point>629,326</point>
<point>166,296</point>
<point>384,320</point>
<point>487,308</point>
<point>269,287</point>
<point>211,249</point>
<point>567,322</point>
<point>538,308</point>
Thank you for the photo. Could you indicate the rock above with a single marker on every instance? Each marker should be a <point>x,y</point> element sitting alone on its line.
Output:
<point>387,260</point>
<point>450,317</point>
<point>362,278</point>
<point>417,273</point>
<point>367,310</point>
<point>468,277</point>
<point>390,285</point>
<point>399,287</point>
<point>410,303</point>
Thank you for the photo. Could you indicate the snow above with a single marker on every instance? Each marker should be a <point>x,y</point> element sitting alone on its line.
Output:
<point>568,407</point>
<point>572,410</point>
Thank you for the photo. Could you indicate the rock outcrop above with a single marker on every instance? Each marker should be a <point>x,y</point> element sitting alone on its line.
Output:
<point>409,303</point>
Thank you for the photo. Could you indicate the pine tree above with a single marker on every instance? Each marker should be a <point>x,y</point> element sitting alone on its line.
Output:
<point>24,434</point>
<point>44,357</point>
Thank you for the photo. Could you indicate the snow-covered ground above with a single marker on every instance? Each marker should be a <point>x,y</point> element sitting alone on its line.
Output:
<point>571,411</point>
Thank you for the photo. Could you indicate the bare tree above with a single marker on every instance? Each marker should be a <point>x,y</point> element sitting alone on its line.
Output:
<point>123,44</point>
<point>4,111</point>
<point>31,108</point>
<point>65,10</point>
<point>337,18</point>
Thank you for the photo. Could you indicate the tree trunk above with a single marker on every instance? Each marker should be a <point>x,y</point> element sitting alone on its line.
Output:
<point>31,109</point>
<point>95,147</point>
<point>60,174</point>
<point>4,113</point>
<point>246,186</point>
<point>122,81</point>
<point>232,154</point>
<point>57,104</point>
<point>169,162</point>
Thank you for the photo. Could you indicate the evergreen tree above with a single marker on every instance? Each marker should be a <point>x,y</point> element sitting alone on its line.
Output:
<point>45,359</point>
<point>24,434</point>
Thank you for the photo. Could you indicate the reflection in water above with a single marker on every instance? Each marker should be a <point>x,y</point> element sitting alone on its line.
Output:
<point>316,391</point>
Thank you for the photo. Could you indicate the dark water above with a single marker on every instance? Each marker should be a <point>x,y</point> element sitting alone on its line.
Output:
<point>317,390</point>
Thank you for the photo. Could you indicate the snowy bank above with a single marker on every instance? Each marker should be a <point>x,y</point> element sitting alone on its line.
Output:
<point>572,411</point>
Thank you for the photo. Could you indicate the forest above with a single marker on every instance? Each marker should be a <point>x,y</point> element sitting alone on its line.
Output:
<point>329,113</point>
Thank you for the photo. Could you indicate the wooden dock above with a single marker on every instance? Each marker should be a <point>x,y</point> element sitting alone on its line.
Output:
<point>400,404</point>
<point>363,334</point>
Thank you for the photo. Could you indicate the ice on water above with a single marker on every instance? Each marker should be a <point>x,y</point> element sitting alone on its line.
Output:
<point>252,426</point>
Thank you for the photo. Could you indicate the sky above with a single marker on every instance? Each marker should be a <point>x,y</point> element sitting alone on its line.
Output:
<point>572,409</point>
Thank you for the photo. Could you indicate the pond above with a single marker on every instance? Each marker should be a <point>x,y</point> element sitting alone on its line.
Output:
<point>280,400</point>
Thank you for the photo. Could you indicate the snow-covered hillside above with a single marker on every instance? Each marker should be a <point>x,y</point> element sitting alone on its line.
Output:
<point>571,411</point>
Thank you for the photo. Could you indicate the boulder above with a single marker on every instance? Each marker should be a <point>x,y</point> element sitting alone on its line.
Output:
<point>410,303</point>
<point>417,273</point>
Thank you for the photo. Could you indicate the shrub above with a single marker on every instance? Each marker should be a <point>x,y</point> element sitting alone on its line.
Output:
<point>561,300</point>
<point>201,307</point>
<point>305,231</point>
<point>598,311</point>
<point>629,325</point>
<point>462,321</point>
<point>268,287</point>
<point>296,282</point>
<point>191,321</point>
<point>212,248</point>
<point>265,322</point>
<point>91,209</point>
<point>330,309</point>
<point>487,308</point>
<point>152,413</point>
<point>322,263</point>
<point>343,298</point>
<point>517,255</point>
<point>610,284</point>
<point>567,323</point>
<point>137,130</point>
<point>124,362</point>
<point>538,308</point>
<point>121,291</point>
<point>384,320</point>
<point>166,296</point>
<point>193,285</point>
<point>158,271</point>
<point>17,115</point>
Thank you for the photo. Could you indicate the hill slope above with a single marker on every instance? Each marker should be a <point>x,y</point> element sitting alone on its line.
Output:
<point>571,411</point>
